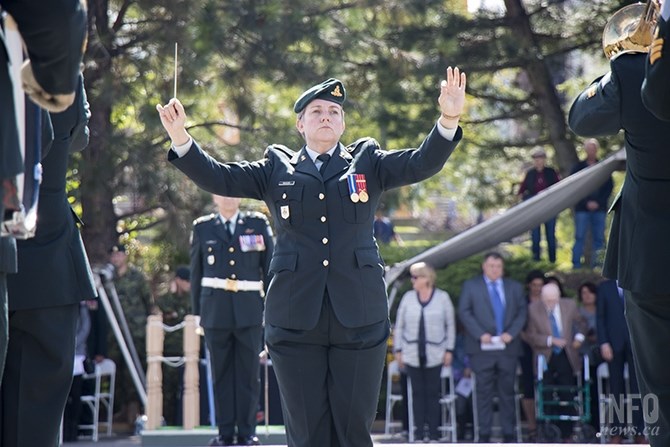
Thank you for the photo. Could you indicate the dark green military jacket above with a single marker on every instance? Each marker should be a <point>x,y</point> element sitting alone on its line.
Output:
<point>324,238</point>
<point>656,88</point>
<point>639,240</point>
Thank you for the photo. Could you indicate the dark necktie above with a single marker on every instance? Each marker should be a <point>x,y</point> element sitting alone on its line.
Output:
<point>422,341</point>
<point>324,158</point>
<point>228,229</point>
<point>498,307</point>
<point>555,332</point>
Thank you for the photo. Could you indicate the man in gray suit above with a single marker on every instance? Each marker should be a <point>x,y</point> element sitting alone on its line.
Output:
<point>326,314</point>
<point>493,311</point>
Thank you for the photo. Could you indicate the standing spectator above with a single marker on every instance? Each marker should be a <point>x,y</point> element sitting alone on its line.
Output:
<point>639,240</point>
<point>230,269</point>
<point>590,212</point>
<point>493,312</point>
<point>73,406</point>
<point>537,179</point>
<point>555,330</point>
<point>587,294</point>
<point>534,282</point>
<point>134,295</point>
<point>174,306</point>
<point>461,370</point>
<point>53,277</point>
<point>326,318</point>
<point>616,350</point>
<point>425,334</point>
<point>384,230</point>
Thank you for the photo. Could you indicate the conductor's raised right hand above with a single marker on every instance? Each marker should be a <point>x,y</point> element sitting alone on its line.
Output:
<point>173,118</point>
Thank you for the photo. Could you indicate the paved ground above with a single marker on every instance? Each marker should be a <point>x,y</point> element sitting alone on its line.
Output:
<point>133,441</point>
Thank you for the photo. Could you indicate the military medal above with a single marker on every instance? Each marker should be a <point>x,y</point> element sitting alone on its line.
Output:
<point>353,192</point>
<point>362,187</point>
<point>252,242</point>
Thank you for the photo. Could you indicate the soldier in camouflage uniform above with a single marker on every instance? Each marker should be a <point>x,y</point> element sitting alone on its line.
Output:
<point>134,295</point>
<point>174,306</point>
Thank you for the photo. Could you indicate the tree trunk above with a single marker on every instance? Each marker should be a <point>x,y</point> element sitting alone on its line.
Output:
<point>543,87</point>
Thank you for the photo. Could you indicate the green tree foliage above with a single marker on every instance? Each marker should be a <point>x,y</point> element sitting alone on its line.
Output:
<point>242,63</point>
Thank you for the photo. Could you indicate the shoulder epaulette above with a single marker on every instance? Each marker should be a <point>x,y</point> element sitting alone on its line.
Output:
<point>281,149</point>
<point>362,143</point>
<point>202,219</point>
<point>256,215</point>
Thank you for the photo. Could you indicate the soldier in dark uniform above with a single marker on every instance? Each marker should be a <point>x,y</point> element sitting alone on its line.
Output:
<point>656,86</point>
<point>327,309</point>
<point>639,240</point>
<point>53,277</point>
<point>230,262</point>
<point>55,58</point>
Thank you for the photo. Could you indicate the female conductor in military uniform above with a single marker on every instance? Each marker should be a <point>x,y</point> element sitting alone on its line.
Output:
<point>326,309</point>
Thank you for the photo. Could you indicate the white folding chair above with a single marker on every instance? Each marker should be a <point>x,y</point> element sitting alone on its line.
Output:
<point>393,370</point>
<point>105,372</point>
<point>448,404</point>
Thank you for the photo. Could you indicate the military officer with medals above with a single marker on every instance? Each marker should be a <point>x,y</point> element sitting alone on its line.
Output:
<point>230,262</point>
<point>639,240</point>
<point>326,318</point>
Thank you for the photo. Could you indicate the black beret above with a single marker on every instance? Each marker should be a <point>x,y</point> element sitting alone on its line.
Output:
<point>330,90</point>
<point>183,272</point>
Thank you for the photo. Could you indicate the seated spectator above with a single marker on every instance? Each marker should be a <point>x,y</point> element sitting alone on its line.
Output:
<point>534,282</point>
<point>587,295</point>
<point>555,330</point>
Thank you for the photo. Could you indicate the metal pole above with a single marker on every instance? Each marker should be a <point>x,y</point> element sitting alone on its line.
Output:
<point>126,331</point>
<point>104,299</point>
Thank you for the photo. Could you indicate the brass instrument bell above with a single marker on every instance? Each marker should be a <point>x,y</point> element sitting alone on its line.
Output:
<point>630,29</point>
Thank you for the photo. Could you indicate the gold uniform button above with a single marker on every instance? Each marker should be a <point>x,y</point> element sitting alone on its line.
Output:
<point>232,262</point>
<point>323,218</point>
<point>283,196</point>
<point>209,249</point>
<point>325,262</point>
<point>233,276</point>
<point>322,196</point>
<point>324,240</point>
<point>231,249</point>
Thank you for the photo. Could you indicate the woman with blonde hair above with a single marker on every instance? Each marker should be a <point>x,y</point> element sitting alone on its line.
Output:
<point>424,338</point>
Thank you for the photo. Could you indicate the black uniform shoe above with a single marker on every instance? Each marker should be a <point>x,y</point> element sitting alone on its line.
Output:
<point>250,440</point>
<point>220,441</point>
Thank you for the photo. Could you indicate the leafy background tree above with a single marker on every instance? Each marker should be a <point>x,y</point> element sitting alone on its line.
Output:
<point>242,63</point>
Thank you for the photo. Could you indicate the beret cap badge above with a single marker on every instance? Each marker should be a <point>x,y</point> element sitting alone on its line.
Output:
<point>330,90</point>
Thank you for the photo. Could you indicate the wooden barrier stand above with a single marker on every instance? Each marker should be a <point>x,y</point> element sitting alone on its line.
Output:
<point>191,400</point>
